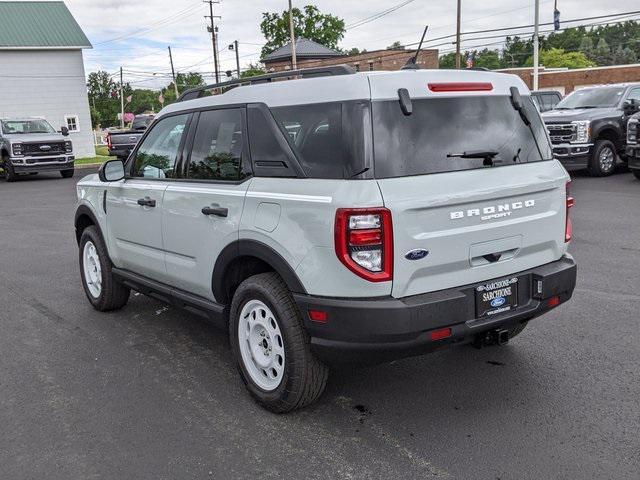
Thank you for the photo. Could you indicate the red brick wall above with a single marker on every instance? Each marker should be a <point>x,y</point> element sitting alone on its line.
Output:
<point>376,60</point>
<point>570,79</point>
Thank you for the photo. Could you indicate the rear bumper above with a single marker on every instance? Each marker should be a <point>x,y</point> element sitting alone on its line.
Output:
<point>573,156</point>
<point>383,329</point>
<point>43,164</point>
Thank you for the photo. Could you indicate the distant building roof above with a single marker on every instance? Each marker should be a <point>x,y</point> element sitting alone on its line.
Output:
<point>305,48</point>
<point>34,25</point>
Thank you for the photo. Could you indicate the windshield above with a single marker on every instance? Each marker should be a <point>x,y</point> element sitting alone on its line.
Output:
<point>592,98</point>
<point>460,133</point>
<point>26,126</point>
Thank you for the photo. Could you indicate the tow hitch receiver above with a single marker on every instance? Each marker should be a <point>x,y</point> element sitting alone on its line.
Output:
<point>492,337</point>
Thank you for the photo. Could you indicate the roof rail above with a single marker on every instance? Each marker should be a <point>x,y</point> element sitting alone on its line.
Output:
<point>328,71</point>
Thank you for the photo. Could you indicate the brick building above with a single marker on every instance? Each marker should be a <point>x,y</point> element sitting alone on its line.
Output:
<point>310,54</point>
<point>566,81</point>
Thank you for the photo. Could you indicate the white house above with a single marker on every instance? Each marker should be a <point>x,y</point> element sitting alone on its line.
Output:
<point>42,69</point>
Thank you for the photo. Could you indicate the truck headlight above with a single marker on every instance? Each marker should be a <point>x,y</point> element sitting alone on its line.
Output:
<point>68,146</point>
<point>583,131</point>
<point>16,148</point>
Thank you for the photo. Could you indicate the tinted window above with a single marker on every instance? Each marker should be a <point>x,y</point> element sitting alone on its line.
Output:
<point>264,143</point>
<point>634,94</point>
<point>592,98</point>
<point>440,129</point>
<point>329,138</point>
<point>217,146</point>
<point>156,157</point>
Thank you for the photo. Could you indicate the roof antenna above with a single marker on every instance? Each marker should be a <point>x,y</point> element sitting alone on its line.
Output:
<point>412,63</point>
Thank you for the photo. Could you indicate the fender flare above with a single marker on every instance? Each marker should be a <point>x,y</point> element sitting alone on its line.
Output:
<point>259,250</point>
<point>84,210</point>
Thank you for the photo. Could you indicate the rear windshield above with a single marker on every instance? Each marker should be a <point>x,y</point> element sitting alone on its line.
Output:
<point>329,139</point>
<point>440,130</point>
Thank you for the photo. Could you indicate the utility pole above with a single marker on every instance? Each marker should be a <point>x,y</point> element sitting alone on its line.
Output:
<point>121,100</point>
<point>173,74</point>
<point>294,60</point>
<point>536,45</point>
<point>458,22</point>
<point>235,47</point>
<point>214,42</point>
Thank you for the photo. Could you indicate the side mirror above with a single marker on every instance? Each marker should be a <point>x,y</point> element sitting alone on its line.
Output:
<point>111,171</point>
<point>631,106</point>
<point>64,131</point>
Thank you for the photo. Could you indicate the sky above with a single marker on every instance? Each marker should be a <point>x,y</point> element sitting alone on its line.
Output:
<point>135,34</point>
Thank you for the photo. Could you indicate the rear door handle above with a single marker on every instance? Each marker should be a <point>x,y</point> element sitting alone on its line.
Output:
<point>216,210</point>
<point>146,202</point>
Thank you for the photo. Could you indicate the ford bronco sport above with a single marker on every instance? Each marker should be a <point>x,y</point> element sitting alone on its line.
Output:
<point>337,217</point>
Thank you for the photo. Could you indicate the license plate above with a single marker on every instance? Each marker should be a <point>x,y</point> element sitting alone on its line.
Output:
<point>496,297</point>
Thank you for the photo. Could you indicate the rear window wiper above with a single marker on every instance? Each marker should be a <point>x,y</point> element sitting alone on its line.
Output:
<point>487,155</point>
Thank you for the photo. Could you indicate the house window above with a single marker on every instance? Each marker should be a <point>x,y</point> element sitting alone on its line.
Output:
<point>370,66</point>
<point>357,65</point>
<point>72,123</point>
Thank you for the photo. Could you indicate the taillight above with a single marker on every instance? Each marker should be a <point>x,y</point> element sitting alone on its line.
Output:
<point>568,229</point>
<point>364,242</point>
<point>460,87</point>
<point>109,145</point>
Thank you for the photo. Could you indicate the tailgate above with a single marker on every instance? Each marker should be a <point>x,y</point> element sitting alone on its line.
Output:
<point>476,225</point>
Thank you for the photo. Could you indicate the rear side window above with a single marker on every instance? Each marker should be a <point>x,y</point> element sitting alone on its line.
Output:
<point>218,146</point>
<point>440,129</point>
<point>329,139</point>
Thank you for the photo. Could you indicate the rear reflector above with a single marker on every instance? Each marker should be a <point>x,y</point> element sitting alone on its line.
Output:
<point>553,302</point>
<point>440,334</point>
<point>461,87</point>
<point>318,316</point>
<point>568,229</point>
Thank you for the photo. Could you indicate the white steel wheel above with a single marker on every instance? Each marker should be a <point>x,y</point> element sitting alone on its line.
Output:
<point>92,269</point>
<point>261,345</point>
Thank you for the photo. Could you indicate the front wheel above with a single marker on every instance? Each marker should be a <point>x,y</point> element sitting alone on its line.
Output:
<point>271,347</point>
<point>9,173</point>
<point>67,173</point>
<point>102,290</point>
<point>603,159</point>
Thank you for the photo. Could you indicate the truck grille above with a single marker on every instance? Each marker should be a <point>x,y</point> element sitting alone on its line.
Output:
<point>561,132</point>
<point>633,133</point>
<point>40,149</point>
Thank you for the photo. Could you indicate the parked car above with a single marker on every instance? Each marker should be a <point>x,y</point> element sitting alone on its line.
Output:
<point>120,143</point>
<point>546,100</point>
<point>588,127</point>
<point>31,145</point>
<point>338,217</point>
<point>633,144</point>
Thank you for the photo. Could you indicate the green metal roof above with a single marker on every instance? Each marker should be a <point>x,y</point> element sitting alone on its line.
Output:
<point>32,25</point>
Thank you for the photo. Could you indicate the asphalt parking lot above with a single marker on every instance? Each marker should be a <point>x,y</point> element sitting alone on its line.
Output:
<point>151,392</point>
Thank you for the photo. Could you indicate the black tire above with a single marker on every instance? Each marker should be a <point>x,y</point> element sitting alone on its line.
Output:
<point>9,174</point>
<point>600,164</point>
<point>304,377</point>
<point>113,295</point>
<point>517,330</point>
<point>67,173</point>
<point>636,173</point>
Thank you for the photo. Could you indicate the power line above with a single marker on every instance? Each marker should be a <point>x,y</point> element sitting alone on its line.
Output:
<point>378,15</point>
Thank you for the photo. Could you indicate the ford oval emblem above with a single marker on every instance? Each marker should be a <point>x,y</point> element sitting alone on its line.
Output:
<point>498,302</point>
<point>417,254</point>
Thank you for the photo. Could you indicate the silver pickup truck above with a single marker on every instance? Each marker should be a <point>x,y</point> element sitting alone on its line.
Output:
<point>32,145</point>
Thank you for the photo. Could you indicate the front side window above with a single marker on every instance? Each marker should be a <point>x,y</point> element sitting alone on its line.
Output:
<point>330,139</point>
<point>217,146</point>
<point>634,94</point>
<point>156,157</point>
<point>441,132</point>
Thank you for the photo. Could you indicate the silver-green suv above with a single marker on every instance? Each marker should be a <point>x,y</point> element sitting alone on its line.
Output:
<point>337,217</point>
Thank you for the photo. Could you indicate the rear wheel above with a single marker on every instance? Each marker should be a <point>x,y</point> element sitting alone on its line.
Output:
<point>603,159</point>
<point>272,348</point>
<point>67,173</point>
<point>99,284</point>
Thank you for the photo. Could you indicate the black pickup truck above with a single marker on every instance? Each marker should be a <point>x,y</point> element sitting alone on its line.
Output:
<point>633,144</point>
<point>121,143</point>
<point>588,128</point>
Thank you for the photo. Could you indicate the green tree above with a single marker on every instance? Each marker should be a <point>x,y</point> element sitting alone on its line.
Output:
<point>602,53</point>
<point>325,29</point>
<point>396,46</point>
<point>448,61</point>
<point>558,58</point>
<point>252,71</point>
<point>487,59</point>
<point>185,82</point>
